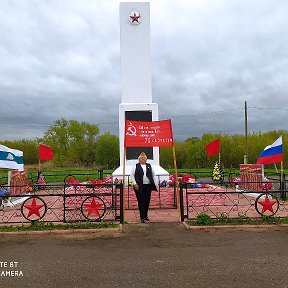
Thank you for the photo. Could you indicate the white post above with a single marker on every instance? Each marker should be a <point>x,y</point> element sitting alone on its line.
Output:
<point>136,74</point>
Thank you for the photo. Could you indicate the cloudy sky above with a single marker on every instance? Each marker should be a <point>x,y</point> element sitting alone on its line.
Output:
<point>61,59</point>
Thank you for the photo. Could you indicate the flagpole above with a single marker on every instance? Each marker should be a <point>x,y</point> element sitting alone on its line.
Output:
<point>219,157</point>
<point>39,165</point>
<point>123,182</point>
<point>281,172</point>
<point>176,183</point>
<point>282,181</point>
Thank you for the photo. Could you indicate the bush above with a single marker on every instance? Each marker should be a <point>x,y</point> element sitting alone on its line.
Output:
<point>203,219</point>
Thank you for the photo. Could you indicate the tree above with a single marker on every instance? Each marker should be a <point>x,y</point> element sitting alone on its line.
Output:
<point>73,142</point>
<point>195,152</point>
<point>181,154</point>
<point>107,150</point>
<point>166,157</point>
<point>29,148</point>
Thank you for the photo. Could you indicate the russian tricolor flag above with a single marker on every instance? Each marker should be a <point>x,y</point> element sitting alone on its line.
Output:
<point>272,153</point>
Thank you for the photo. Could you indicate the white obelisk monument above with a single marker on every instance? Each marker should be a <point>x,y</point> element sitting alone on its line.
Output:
<point>136,81</point>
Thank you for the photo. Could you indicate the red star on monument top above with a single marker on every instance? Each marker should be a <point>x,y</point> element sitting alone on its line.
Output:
<point>267,204</point>
<point>134,17</point>
<point>93,208</point>
<point>33,208</point>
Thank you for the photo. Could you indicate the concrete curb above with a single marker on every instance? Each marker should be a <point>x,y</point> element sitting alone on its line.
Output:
<point>236,227</point>
<point>186,225</point>
<point>62,232</point>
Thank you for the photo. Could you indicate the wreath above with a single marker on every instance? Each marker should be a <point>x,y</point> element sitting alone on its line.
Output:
<point>217,173</point>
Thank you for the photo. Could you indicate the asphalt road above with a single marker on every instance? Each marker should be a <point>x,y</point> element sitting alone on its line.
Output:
<point>152,255</point>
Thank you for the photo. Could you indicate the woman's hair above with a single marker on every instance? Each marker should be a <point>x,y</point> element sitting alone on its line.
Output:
<point>142,154</point>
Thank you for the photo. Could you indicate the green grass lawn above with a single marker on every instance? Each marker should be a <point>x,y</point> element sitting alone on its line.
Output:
<point>58,175</point>
<point>205,220</point>
<point>42,226</point>
<point>81,174</point>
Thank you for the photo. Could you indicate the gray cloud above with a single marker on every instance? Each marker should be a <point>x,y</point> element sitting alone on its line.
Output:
<point>62,59</point>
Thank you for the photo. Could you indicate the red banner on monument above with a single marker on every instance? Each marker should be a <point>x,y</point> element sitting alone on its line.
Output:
<point>18,183</point>
<point>148,134</point>
<point>252,177</point>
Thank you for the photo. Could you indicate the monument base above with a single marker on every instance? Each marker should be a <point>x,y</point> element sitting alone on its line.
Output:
<point>160,172</point>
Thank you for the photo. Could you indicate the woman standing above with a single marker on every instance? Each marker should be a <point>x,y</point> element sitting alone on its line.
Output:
<point>142,176</point>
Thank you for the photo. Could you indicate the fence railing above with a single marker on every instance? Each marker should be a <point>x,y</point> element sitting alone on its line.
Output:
<point>232,201</point>
<point>70,202</point>
<point>164,198</point>
<point>63,203</point>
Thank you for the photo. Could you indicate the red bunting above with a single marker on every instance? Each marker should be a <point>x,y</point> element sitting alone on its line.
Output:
<point>213,148</point>
<point>45,152</point>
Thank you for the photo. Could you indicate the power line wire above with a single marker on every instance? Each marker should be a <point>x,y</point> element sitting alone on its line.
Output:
<point>268,108</point>
<point>172,117</point>
<point>206,113</point>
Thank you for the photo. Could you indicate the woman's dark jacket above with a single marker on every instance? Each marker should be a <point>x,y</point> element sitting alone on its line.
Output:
<point>139,173</point>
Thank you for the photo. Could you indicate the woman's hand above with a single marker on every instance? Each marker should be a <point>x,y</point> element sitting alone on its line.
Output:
<point>136,187</point>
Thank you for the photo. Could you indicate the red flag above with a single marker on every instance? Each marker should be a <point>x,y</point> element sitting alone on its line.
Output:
<point>148,134</point>
<point>213,147</point>
<point>45,152</point>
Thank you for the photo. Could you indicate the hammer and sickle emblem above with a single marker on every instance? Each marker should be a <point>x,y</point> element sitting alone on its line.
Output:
<point>131,130</point>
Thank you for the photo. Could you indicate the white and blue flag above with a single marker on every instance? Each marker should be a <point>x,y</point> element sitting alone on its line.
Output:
<point>11,158</point>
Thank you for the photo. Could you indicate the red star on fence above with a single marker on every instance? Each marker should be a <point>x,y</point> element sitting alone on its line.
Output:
<point>93,208</point>
<point>135,18</point>
<point>267,204</point>
<point>33,208</point>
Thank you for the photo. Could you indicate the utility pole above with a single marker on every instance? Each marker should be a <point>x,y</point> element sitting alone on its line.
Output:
<point>246,135</point>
